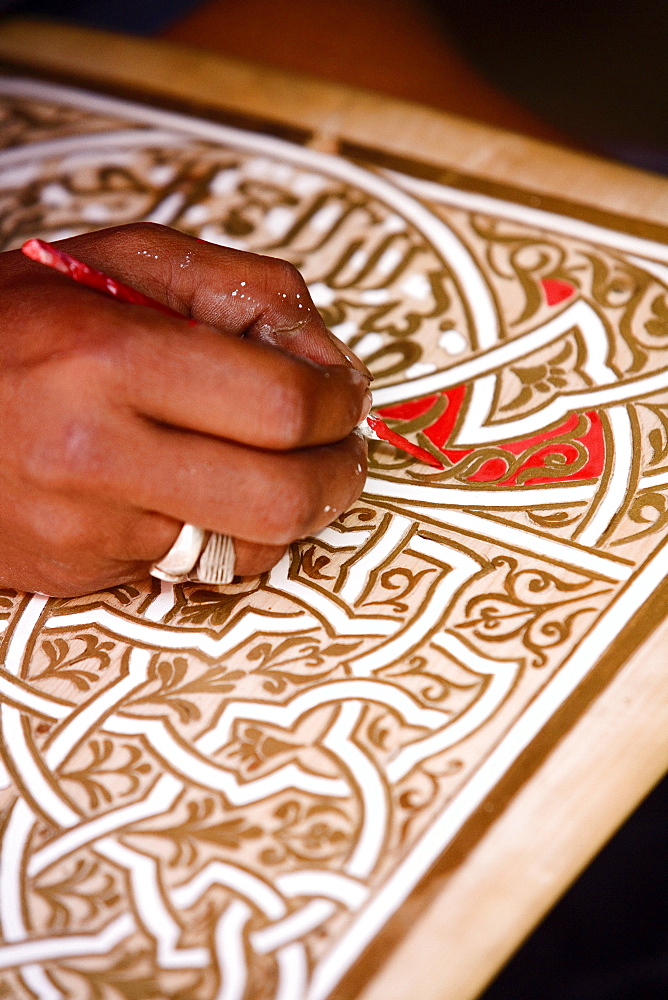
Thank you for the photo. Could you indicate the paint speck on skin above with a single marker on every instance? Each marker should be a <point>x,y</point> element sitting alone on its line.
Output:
<point>359,469</point>
<point>243,284</point>
<point>327,509</point>
<point>187,262</point>
<point>147,253</point>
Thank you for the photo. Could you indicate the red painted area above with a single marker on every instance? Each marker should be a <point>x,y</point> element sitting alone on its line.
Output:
<point>592,440</point>
<point>539,448</point>
<point>409,411</point>
<point>439,432</point>
<point>556,290</point>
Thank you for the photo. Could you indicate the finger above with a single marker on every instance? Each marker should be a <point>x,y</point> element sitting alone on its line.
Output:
<point>148,537</point>
<point>271,498</point>
<point>193,377</point>
<point>243,293</point>
<point>68,548</point>
<point>201,380</point>
<point>258,496</point>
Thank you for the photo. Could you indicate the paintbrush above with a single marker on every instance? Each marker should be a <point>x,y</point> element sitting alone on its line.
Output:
<point>45,253</point>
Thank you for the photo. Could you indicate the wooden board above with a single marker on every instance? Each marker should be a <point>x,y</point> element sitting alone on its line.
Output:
<point>370,773</point>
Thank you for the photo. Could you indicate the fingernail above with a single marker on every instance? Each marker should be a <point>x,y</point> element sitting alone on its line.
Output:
<point>350,357</point>
<point>367,403</point>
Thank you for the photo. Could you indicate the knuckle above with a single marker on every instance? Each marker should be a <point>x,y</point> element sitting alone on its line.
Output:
<point>283,278</point>
<point>62,534</point>
<point>145,230</point>
<point>69,455</point>
<point>283,271</point>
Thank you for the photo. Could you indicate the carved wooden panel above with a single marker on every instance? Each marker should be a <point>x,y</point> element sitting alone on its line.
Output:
<point>227,792</point>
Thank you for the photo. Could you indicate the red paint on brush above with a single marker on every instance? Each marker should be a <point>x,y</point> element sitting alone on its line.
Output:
<point>83,274</point>
<point>380,428</point>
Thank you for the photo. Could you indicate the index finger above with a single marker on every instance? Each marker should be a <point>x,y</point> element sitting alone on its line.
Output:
<point>244,294</point>
<point>203,380</point>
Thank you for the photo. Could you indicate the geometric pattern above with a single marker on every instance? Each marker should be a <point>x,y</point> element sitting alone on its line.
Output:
<point>226,792</point>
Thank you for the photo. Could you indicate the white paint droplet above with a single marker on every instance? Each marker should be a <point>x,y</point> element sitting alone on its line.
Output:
<point>417,286</point>
<point>452,342</point>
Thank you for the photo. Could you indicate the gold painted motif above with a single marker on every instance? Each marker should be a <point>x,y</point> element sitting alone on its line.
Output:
<point>225,792</point>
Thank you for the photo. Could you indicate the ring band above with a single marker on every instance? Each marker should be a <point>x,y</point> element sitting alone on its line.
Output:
<point>216,563</point>
<point>199,556</point>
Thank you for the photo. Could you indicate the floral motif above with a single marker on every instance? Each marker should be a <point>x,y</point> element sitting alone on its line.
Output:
<point>121,768</point>
<point>65,663</point>
<point>317,832</point>
<point>531,607</point>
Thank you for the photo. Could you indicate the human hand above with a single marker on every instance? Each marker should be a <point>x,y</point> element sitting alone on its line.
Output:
<point>119,424</point>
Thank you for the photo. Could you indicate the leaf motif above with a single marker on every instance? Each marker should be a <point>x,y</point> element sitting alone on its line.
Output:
<point>340,648</point>
<point>175,691</point>
<point>64,662</point>
<point>209,607</point>
<point>198,827</point>
<point>530,374</point>
<point>313,565</point>
<point>658,327</point>
<point>656,443</point>
<point>125,593</point>
<point>101,768</point>
<point>86,888</point>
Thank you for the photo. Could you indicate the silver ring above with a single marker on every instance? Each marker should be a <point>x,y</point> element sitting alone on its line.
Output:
<point>216,563</point>
<point>199,556</point>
